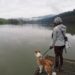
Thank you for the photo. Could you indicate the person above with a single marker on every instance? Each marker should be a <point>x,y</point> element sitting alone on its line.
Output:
<point>58,42</point>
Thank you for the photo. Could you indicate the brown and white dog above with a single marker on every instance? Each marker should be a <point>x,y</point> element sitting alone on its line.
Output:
<point>44,62</point>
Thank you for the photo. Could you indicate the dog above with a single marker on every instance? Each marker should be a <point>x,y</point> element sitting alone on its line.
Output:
<point>44,63</point>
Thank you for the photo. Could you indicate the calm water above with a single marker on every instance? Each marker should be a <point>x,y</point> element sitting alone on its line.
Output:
<point>17,45</point>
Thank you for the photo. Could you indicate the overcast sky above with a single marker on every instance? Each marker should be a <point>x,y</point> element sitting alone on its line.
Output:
<point>34,8</point>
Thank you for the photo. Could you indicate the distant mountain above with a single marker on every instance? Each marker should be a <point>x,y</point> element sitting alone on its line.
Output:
<point>43,20</point>
<point>42,17</point>
<point>68,18</point>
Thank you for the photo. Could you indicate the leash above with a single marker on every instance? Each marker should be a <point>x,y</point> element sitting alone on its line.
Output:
<point>45,52</point>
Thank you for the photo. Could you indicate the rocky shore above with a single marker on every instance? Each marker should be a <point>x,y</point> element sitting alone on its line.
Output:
<point>68,68</point>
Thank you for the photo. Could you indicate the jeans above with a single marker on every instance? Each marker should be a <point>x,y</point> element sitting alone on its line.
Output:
<point>58,55</point>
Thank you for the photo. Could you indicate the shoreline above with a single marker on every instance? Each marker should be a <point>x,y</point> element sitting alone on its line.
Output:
<point>69,60</point>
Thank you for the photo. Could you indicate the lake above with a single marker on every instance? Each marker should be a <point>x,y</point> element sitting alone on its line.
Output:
<point>17,45</point>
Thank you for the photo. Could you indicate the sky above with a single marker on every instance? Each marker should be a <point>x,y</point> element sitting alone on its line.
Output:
<point>34,8</point>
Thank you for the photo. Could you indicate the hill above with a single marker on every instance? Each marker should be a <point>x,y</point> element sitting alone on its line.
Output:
<point>47,21</point>
<point>69,20</point>
<point>67,17</point>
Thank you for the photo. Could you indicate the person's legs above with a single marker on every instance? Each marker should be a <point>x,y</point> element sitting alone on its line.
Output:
<point>56,50</point>
<point>58,56</point>
<point>56,61</point>
<point>61,56</point>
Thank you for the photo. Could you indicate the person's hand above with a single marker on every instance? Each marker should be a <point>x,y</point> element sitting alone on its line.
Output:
<point>51,47</point>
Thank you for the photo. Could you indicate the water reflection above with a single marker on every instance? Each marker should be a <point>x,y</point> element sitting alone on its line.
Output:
<point>12,37</point>
<point>17,44</point>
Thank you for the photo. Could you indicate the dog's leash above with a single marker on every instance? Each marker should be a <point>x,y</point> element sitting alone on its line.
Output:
<point>53,72</point>
<point>46,52</point>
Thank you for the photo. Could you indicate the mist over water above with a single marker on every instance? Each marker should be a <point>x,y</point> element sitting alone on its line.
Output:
<point>17,45</point>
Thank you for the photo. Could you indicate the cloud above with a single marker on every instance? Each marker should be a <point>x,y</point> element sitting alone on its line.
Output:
<point>32,8</point>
